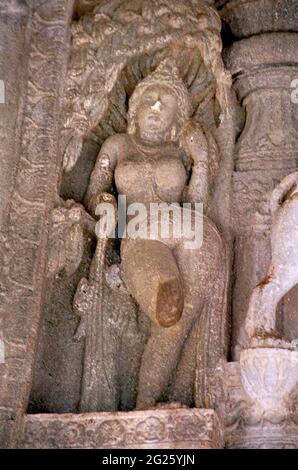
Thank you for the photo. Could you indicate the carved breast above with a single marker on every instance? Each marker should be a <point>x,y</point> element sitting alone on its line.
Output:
<point>151,179</point>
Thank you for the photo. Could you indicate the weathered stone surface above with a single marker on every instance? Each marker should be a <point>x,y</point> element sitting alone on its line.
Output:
<point>171,428</point>
<point>260,410</point>
<point>22,276</point>
<point>248,17</point>
<point>268,367</point>
<point>168,283</point>
<point>113,97</point>
<point>14,18</point>
<point>282,274</point>
<point>263,68</point>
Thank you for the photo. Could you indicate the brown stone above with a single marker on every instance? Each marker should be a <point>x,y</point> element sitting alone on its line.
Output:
<point>120,328</point>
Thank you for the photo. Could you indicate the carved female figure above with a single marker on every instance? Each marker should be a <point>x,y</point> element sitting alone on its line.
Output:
<point>164,158</point>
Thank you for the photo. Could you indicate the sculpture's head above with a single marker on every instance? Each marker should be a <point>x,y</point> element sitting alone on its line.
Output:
<point>159,106</point>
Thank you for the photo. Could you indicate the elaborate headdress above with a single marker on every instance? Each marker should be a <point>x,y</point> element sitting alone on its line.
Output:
<point>167,75</point>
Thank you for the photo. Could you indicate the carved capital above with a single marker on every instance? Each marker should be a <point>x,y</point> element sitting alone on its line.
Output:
<point>263,69</point>
<point>248,17</point>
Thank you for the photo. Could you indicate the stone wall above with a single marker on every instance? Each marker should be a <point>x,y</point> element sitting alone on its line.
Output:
<point>43,366</point>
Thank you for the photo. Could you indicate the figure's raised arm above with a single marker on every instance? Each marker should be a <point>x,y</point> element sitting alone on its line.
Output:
<point>194,143</point>
<point>102,176</point>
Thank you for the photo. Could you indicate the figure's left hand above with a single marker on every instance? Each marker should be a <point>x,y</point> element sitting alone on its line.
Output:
<point>194,143</point>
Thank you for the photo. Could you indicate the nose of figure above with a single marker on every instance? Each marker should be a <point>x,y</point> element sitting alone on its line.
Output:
<point>156,106</point>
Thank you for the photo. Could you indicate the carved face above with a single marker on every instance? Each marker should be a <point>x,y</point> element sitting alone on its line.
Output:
<point>156,113</point>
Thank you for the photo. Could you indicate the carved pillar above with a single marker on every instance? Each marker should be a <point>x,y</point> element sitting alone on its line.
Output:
<point>246,18</point>
<point>263,69</point>
<point>263,63</point>
<point>13,21</point>
<point>25,229</point>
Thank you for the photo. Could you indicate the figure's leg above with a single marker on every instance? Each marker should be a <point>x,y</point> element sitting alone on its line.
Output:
<point>164,349</point>
<point>152,277</point>
<point>182,388</point>
<point>196,270</point>
<point>160,358</point>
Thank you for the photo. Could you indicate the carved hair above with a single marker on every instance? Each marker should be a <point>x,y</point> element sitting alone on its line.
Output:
<point>165,75</point>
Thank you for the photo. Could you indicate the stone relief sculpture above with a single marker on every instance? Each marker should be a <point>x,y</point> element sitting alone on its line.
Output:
<point>170,283</point>
<point>267,375</point>
<point>281,276</point>
<point>163,335</point>
<point>111,341</point>
<point>140,33</point>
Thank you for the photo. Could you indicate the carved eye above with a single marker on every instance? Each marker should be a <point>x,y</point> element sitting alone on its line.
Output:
<point>149,100</point>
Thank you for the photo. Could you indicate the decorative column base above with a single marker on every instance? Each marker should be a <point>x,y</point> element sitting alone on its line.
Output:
<point>269,438</point>
<point>261,409</point>
<point>166,428</point>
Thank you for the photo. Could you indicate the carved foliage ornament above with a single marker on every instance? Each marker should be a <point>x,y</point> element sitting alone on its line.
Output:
<point>118,43</point>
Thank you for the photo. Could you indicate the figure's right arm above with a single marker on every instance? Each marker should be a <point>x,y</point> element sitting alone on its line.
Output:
<point>103,173</point>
